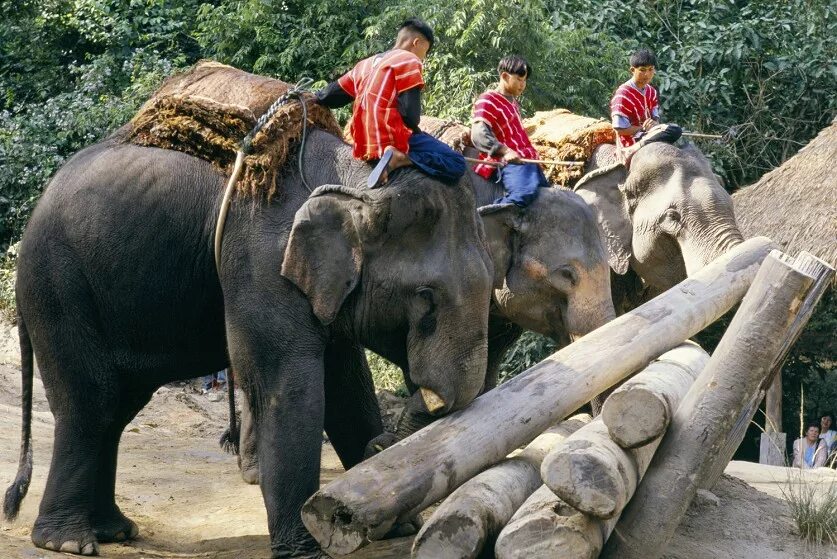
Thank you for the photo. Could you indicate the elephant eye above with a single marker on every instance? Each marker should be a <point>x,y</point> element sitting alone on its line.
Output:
<point>569,274</point>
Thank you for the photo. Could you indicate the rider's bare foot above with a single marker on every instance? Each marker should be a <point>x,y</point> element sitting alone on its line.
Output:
<point>391,160</point>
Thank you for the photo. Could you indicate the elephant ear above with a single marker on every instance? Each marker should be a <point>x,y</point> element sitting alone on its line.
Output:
<point>500,221</point>
<point>324,255</point>
<point>602,189</point>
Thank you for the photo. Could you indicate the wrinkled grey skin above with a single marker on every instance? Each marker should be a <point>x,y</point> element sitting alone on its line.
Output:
<point>118,288</point>
<point>551,277</point>
<point>666,219</point>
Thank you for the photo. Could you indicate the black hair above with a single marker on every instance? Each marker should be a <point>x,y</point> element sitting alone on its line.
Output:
<point>416,25</point>
<point>515,64</point>
<point>643,57</point>
<point>829,414</point>
<point>815,423</point>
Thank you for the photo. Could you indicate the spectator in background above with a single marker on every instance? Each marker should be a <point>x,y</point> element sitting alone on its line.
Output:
<point>215,384</point>
<point>827,433</point>
<point>809,451</point>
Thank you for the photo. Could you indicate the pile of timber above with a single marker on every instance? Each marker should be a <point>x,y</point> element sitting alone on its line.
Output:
<point>614,486</point>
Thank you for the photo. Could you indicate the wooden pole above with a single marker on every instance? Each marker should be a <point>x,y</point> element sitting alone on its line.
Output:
<point>473,515</point>
<point>694,445</point>
<point>591,472</point>
<point>823,275</point>
<point>773,406</point>
<point>545,527</point>
<point>640,410</point>
<point>536,161</point>
<point>365,502</point>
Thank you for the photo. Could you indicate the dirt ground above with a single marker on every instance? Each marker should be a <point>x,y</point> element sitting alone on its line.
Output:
<point>189,502</point>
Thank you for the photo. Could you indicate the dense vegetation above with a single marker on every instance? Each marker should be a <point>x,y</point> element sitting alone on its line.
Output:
<point>71,71</point>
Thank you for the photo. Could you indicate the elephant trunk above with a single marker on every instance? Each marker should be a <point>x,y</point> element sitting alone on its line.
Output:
<point>712,242</point>
<point>590,307</point>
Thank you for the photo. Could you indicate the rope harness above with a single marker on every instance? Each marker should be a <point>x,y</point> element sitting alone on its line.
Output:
<point>296,92</point>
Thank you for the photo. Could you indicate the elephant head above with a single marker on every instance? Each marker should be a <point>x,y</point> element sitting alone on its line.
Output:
<point>550,271</point>
<point>405,271</point>
<point>667,218</point>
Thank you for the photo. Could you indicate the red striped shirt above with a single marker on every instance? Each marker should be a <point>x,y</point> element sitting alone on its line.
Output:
<point>375,83</point>
<point>502,115</point>
<point>634,105</point>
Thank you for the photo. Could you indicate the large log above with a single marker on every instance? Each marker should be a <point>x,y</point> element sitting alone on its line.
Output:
<point>365,502</point>
<point>589,470</point>
<point>640,410</point>
<point>473,515</point>
<point>546,527</point>
<point>694,445</point>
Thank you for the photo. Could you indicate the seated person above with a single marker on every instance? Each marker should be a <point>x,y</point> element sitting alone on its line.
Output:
<point>809,451</point>
<point>386,90</point>
<point>635,109</point>
<point>497,132</point>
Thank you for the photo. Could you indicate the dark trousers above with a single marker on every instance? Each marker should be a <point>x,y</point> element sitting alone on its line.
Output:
<point>435,158</point>
<point>521,183</point>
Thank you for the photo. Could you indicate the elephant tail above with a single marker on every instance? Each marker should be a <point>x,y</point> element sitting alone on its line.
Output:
<point>230,437</point>
<point>17,490</point>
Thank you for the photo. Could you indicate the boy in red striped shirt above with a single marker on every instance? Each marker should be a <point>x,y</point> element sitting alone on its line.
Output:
<point>635,109</point>
<point>497,132</point>
<point>386,91</point>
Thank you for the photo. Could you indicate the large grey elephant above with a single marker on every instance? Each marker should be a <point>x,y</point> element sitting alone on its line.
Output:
<point>118,293</point>
<point>665,219</point>
<point>551,277</point>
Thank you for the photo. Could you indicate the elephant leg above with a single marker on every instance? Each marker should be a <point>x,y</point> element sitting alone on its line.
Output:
<point>281,371</point>
<point>352,414</point>
<point>248,448</point>
<point>82,414</point>
<point>109,524</point>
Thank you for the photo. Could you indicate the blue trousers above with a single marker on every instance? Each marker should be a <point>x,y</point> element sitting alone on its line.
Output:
<point>521,183</point>
<point>435,158</point>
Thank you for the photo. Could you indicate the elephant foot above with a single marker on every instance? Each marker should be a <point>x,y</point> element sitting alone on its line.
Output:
<point>250,475</point>
<point>406,528</point>
<point>379,443</point>
<point>114,527</point>
<point>307,548</point>
<point>67,537</point>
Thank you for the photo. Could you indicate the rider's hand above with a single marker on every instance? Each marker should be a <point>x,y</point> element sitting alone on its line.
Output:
<point>511,156</point>
<point>649,124</point>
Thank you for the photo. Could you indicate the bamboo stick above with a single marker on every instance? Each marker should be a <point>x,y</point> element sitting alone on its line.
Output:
<point>537,161</point>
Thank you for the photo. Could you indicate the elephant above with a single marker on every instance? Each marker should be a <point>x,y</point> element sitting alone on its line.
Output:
<point>551,277</point>
<point>664,219</point>
<point>118,293</point>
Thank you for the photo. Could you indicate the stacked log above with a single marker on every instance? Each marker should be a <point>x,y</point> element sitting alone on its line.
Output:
<point>369,499</point>
<point>721,400</point>
<point>588,477</point>
<point>472,516</point>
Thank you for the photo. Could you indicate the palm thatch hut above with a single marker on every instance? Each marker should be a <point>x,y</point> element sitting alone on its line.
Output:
<point>796,203</point>
<point>796,206</point>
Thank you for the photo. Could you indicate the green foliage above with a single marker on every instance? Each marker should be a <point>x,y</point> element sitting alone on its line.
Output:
<point>768,69</point>
<point>385,375</point>
<point>7,283</point>
<point>529,349</point>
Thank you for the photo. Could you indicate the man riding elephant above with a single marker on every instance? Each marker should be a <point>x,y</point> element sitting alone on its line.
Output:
<point>118,293</point>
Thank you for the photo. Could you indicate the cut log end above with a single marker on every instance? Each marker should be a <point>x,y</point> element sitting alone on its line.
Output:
<point>332,525</point>
<point>589,480</point>
<point>460,537</point>
<point>635,417</point>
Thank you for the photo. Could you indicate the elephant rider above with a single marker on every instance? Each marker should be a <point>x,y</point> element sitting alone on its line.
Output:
<point>635,109</point>
<point>386,90</point>
<point>497,132</point>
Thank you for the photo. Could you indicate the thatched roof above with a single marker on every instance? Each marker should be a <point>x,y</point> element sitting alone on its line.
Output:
<point>796,203</point>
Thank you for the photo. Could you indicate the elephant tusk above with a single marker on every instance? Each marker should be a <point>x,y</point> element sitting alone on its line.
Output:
<point>432,401</point>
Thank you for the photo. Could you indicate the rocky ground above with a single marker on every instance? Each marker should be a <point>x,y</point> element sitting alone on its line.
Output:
<point>189,502</point>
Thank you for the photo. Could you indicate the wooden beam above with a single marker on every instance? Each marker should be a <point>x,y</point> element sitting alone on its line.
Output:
<point>472,516</point>
<point>365,502</point>
<point>695,446</point>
